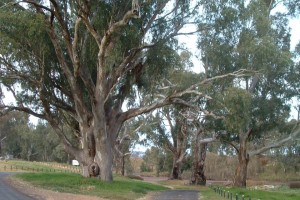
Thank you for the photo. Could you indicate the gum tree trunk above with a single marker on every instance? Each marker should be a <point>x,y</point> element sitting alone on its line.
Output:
<point>198,177</point>
<point>176,170</point>
<point>104,159</point>
<point>240,177</point>
<point>199,156</point>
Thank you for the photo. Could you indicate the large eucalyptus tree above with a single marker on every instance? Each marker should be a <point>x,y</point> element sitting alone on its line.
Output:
<point>80,62</point>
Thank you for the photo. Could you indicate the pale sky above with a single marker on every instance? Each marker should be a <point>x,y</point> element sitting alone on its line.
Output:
<point>190,42</point>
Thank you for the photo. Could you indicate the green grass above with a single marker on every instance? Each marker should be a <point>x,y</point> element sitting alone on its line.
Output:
<point>208,194</point>
<point>281,193</point>
<point>124,188</point>
<point>278,193</point>
<point>121,188</point>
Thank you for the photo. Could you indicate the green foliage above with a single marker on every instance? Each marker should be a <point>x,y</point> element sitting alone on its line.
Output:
<point>27,142</point>
<point>293,7</point>
<point>238,103</point>
<point>155,160</point>
<point>238,35</point>
<point>145,168</point>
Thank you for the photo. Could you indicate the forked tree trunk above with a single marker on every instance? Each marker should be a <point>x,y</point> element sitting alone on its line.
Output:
<point>240,177</point>
<point>198,177</point>
<point>178,157</point>
<point>85,154</point>
<point>85,160</point>
<point>176,169</point>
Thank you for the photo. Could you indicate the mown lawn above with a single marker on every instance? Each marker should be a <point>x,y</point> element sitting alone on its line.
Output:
<point>121,188</point>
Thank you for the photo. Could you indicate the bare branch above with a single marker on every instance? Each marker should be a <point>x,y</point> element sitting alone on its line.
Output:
<point>23,109</point>
<point>37,5</point>
<point>278,144</point>
<point>3,138</point>
<point>182,156</point>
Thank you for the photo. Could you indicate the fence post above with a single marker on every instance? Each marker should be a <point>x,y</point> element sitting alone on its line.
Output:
<point>243,197</point>
<point>224,194</point>
<point>230,196</point>
<point>236,197</point>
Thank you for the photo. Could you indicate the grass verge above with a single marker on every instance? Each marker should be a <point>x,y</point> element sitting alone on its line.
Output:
<point>120,189</point>
<point>280,193</point>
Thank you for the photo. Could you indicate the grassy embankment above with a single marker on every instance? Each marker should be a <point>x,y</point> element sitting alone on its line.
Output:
<point>278,193</point>
<point>123,188</point>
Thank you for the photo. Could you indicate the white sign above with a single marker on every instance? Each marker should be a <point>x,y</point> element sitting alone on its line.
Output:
<point>75,162</point>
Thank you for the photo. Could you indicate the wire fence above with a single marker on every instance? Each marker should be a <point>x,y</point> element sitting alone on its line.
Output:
<point>52,169</point>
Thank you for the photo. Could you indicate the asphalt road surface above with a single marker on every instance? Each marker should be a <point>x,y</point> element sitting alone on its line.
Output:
<point>9,193</point>
<point>177,195</point>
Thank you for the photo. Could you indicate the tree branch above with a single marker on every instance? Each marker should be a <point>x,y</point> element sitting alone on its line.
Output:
<point>278,144</point>
<point>22,109</point>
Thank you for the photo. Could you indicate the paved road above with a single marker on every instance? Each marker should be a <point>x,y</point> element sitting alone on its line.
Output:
<point>9,193</point>
<point>177,195</point>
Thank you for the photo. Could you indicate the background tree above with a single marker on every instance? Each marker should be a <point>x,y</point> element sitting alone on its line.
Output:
<point>170,132</point>
<point>49,146</point>
<point>155,160</point>
<point>126,141</point>
<point>12,127</point>
<point>170,129</point>
<point>28,142</point>
<point>248,35</point>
